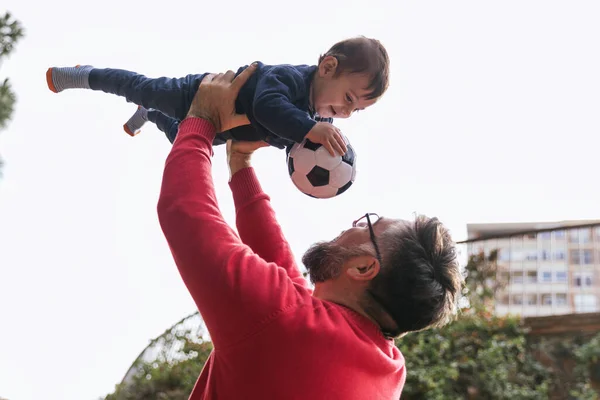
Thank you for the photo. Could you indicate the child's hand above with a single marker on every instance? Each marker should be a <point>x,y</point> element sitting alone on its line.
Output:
<point>329,137</point>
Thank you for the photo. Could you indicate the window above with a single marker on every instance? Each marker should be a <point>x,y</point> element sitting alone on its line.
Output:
<point>559,255</point>
<point>547,299</point>
<point>582,279</point>
<point>573,236</point>
<point>531,276</point>
<point>503,277</point>
<point>545,235</point>
<point>517,277</point>
<point>561,276</point>
<point>580,257</point>
<point>575,257</point>
<point>545,255</point>
<point>585,302</point>
<point>530,236</point>
<point>582,235</point>
<point>504,255</point>
<point>561,299</point>
<point>585,235</point>
<point>518,299</point>
<point>546,276</point>
<point>588,257</point>
<point>531,299</point>
<point>531,256</point>
<point>504,299</point>
<point>559,235</point>
<point>597,232</point>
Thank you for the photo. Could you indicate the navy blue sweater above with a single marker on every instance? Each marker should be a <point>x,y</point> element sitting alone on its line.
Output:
<point>276,100</point>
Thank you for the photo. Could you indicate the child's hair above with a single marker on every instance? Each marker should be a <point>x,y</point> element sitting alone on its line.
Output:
<point>359,55</point>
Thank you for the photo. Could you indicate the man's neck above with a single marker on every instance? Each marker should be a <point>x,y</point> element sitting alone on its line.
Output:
<point>346,301</point>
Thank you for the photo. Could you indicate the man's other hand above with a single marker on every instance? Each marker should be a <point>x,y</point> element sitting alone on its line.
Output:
<point>215,99</point>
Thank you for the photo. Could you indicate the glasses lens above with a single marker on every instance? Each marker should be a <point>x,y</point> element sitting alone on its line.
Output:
<point>365,219</point>
<point>372,218</point>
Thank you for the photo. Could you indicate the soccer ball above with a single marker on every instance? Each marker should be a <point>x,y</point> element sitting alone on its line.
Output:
<point>316,173</point>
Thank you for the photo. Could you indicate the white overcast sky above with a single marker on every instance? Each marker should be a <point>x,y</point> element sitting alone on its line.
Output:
<point>492,116</point>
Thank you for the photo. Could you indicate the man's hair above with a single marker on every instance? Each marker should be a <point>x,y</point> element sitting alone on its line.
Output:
<point>420,282</point>
<point>363,55</point>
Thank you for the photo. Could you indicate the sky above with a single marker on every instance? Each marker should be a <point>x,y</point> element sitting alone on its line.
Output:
<point>492,116</point>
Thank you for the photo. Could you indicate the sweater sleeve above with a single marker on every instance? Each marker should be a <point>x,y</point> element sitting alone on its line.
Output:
<point>255,220</point>
<point>274,108</point>
<point>235,290</point>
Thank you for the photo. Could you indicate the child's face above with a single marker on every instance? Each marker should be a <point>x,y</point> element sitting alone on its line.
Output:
<point>339,96</point>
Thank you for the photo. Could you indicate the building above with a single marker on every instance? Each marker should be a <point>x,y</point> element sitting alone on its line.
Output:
<point>550,268</point>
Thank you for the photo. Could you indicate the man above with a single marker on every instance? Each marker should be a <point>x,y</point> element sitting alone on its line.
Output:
<point>274,338</point>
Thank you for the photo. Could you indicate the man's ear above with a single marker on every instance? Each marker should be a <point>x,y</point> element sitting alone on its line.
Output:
<point>328,66</point>
<point>362,268</point>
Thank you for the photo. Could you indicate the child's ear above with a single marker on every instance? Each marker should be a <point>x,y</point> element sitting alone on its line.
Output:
<point>328,66</point>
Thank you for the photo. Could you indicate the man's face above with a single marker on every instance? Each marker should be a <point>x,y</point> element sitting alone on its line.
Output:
<point>324,260</point>
<point>338,96</point>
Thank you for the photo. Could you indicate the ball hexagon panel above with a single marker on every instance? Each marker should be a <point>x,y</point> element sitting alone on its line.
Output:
<point>304,160</point>
<point>340,175</point>
<point>324,192</point>
<point>302,183</point>
<point>318,176</point>
<point>325,160</point>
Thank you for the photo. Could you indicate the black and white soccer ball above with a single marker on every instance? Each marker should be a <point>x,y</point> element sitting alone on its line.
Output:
<point>316,173</point>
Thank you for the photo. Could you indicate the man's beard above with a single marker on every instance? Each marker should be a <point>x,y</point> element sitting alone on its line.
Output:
<point>324,260</point>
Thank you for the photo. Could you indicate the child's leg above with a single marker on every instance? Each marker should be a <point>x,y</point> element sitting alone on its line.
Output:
<point>137,120</point>
<point>165,123</point>
<point>172,96</point>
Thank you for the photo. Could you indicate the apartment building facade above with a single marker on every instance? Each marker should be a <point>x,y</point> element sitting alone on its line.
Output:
<point>549,268</point>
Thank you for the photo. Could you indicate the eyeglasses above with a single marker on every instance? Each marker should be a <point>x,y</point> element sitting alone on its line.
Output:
<point>368,217</point>
<point>359,222</point>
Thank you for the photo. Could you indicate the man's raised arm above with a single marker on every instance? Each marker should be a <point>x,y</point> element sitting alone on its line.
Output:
<point>235,289</point>
<point>255,218</point>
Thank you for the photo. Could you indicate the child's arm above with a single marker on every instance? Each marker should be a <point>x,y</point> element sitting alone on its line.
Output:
<point>274,109</point>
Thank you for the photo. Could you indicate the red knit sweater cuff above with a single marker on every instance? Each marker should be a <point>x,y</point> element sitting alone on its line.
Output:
<point>198,126</point>
<point>245,187</point>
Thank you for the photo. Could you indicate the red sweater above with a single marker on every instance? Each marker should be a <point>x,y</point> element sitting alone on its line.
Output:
<point>272,339</point>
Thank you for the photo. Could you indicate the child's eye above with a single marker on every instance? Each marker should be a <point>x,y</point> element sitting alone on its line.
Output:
<point>348,99</point>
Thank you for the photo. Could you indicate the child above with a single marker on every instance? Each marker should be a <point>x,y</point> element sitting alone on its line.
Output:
<point>284,103</point>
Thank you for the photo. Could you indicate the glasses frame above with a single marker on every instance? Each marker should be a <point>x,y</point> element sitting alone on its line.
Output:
<point>371,232</point>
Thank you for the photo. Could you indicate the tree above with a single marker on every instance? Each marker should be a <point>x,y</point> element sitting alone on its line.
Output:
<point>10,33</point>
<point>172,373</point>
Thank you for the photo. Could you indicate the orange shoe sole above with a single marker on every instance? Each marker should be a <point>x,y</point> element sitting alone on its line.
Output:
<point>49,81</point>
<point>128,131</point>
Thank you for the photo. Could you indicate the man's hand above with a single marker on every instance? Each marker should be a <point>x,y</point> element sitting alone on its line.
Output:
<point>329,137</point>
<point>240,153</point>
<point>215,99</point>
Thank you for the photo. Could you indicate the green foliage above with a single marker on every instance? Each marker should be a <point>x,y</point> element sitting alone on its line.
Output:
<point>7,103</point>
<point>482,281</point>
<point>10,33</point>
<point>171,375</point>
<point>479,356</point>
<point>587,370</point>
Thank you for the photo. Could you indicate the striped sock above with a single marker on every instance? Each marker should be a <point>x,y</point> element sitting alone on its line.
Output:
<point>137,120</point>
<point>61,78</point>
